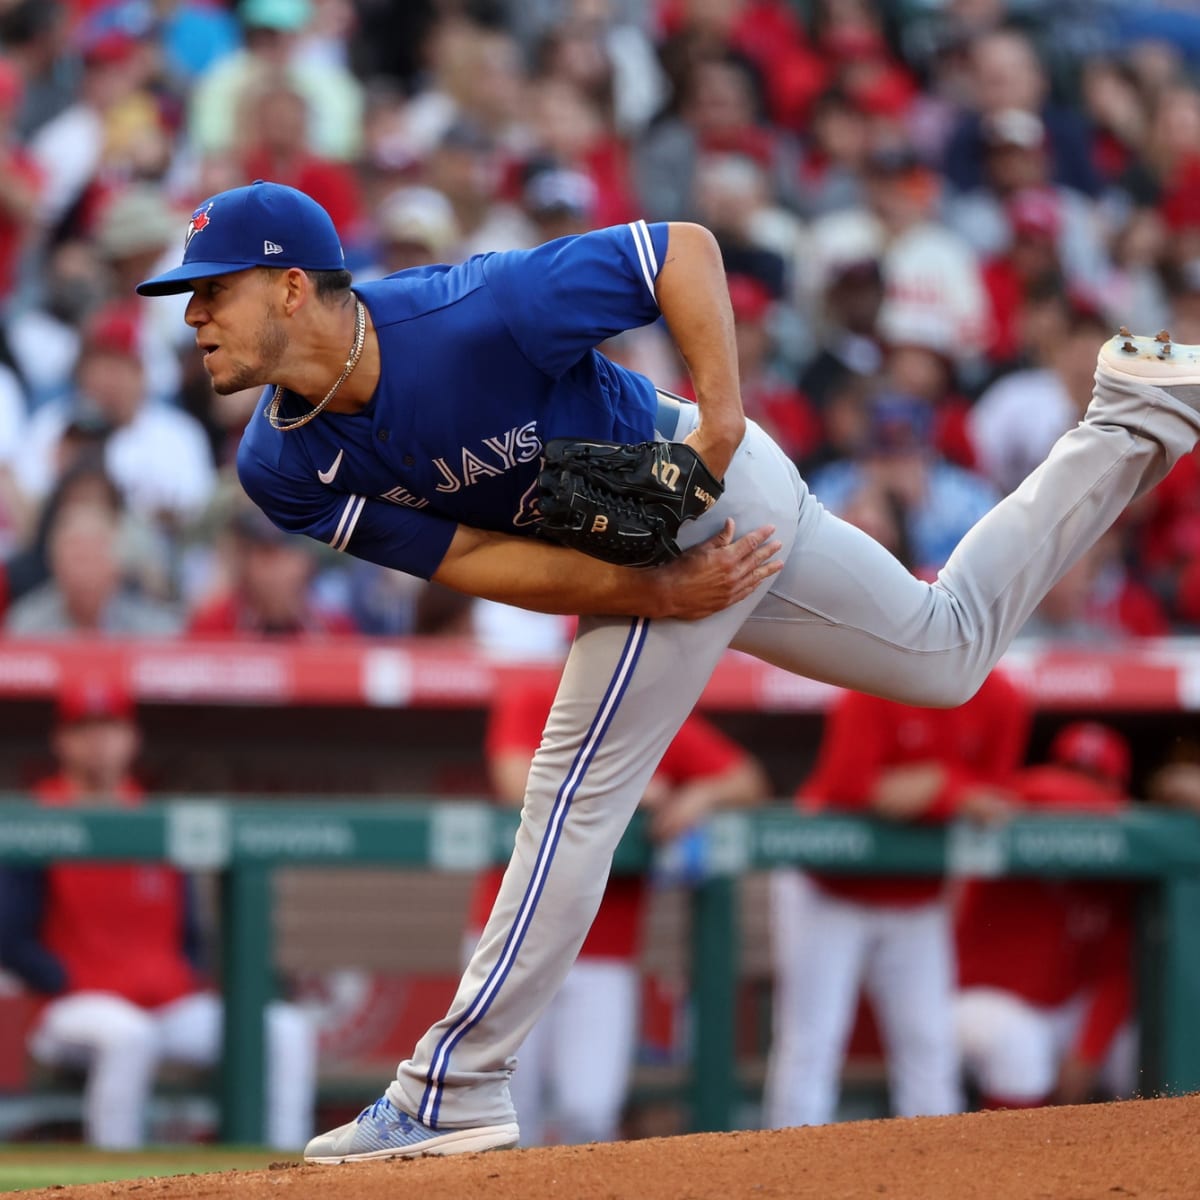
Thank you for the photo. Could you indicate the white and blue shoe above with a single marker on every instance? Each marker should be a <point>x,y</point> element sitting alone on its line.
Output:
<point>383,1131</point>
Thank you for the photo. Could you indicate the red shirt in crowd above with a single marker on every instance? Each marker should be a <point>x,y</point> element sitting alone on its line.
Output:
<point>116,927</point>
<point>1049,940</point>
<point>225,617</point>
<point>699,751</point>
<point>979,743</point>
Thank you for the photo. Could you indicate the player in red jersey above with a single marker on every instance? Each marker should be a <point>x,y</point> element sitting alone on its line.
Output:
<point>833,934</point>
<point>1045,966</point>
<point>115,949</point>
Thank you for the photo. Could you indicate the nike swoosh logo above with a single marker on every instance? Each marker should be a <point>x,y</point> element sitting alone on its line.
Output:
<point>327,476</point>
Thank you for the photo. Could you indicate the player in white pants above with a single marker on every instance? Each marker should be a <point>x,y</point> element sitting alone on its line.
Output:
<point>121,1045</point>
<point>1014,1050</point>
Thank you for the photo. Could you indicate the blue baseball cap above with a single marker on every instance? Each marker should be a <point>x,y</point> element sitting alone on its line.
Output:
<point>260,225</point>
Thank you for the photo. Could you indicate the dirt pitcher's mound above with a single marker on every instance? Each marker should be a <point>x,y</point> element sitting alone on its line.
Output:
<point>1149,1149</point>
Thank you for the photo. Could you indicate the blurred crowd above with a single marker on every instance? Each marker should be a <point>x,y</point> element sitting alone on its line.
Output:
<point>931,213</point>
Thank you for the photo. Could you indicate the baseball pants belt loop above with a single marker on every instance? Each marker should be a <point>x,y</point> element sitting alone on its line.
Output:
<point>666,419</point>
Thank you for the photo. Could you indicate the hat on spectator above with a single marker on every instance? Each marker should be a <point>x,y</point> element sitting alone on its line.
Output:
<point>135,221</point>
<point>113,330</point>
<point>465,134</point>
<point>844,242</point>
<point>98,699</point>
<point>1013,127</point>
<point>285,16</point>
<point>1035,212</point>
<point>750,297</point>
<point>899,423</point>
<point>421,215</point>
<point>895,159</point>
<point>558,190</point>
<point>920,325</point>
<point>1098,749</point>
<point>260,225</point>
<point>112,32</point>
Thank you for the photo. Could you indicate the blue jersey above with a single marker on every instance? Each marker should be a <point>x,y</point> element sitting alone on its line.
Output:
<point>480,364</point>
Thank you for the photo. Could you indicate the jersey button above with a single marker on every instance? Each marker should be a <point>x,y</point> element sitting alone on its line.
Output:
<point>384,434</point>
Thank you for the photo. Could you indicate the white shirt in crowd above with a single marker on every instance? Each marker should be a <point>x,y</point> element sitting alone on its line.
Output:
<point>161,460</point>
<point>1015,422</point>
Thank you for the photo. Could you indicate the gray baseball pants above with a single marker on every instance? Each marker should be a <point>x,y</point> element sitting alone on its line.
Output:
<point>842,610</point>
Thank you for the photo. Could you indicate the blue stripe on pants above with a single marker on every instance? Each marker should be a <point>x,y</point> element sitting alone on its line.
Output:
<point>617,686</point>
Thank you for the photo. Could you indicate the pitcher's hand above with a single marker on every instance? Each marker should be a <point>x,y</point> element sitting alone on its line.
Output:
<point>717,573</point>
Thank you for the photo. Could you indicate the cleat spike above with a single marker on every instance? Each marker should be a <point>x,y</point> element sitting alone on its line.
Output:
<point>1124,332</point>
<point>1163,335</point>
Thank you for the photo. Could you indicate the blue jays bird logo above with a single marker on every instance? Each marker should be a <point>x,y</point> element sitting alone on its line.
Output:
<point>198,222</point>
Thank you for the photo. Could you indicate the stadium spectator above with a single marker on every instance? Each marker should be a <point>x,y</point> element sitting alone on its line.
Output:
<point>42,335</point>
<point>273,43</point>
<point>467,167</point>
<point>1005,73</point>
<point>156,454</point>
<point>87,593</point>
<point>104,134</point>
<point>767,397</point>
<point>473,78</point>
<point>416,227</point>
<point>833,934</point>
<point>559,202</point>
<point>84,482</point>
<point>270,590</point>
<point>1044,1007</point>
<point>573,1068</point>
<point>610,57</point>
<point>1019,417</point>
<point>716,111</point>
<point>834,155</point>
<point>1098,601</point>
<point>20,182</point>
<point>847,287</point>
<point>919,361</point>
<point>1017,194</point>
<point>569,127</point>
<point>942,501</point>
<point>115,950</point>
<point>136,228</point>
<point>274,142</point>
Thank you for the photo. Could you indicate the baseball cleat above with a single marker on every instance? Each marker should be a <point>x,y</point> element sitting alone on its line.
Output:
<point>1154,360</point>
<point>383,1131</point>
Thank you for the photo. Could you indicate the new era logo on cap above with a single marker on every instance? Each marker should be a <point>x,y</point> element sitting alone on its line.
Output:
<point>262,224</point>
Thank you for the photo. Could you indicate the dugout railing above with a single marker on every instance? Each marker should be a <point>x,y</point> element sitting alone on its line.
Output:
<point>243,842</point>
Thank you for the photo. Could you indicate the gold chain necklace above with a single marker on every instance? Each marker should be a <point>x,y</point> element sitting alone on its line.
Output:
<point>286,423</point>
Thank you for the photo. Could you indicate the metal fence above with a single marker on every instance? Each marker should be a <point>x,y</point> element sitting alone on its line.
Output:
<point>243,841</point>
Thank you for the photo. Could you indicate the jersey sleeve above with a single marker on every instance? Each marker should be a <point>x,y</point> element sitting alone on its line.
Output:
<point>563,298</point>
<point>387,534</point>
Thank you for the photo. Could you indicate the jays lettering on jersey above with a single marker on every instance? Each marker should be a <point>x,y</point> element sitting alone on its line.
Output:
<point>481,363</point>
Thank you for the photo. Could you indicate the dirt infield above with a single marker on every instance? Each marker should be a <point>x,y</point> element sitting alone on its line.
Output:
<point>1148,1149</point>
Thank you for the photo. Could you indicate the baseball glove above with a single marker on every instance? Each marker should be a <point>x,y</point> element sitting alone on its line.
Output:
<point>622,503</point>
